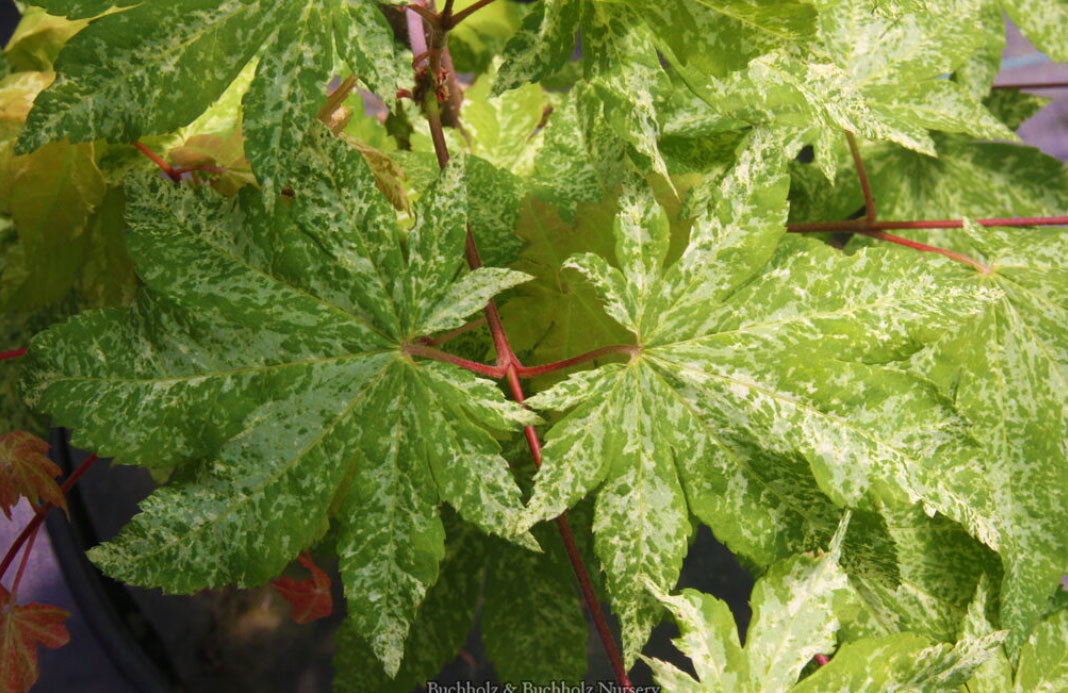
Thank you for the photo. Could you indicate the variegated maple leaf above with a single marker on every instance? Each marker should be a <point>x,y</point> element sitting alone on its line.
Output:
<point>756,394</point>
<point>268,352</point>
<point>157,65</point>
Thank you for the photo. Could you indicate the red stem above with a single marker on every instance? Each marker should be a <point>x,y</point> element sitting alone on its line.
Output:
<point>209,169</point>
<point>495,372</point>
<point>861,225</point>
<point>951,254</point>
<point>507,360</point>
<point>534,371</point>
<point>164,166</point>
<point>865,185</point>
<point>1033,85</point>
<point>22,564</point>
<point>12,354</point>
<point>822,660</point>
<point>452,334</point>
<point>43,510</point>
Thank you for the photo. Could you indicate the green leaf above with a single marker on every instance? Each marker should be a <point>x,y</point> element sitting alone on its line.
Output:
<point>116,82</point>
<point>557,316</point>
<point>268,350</point>
<point>53,194</point>
<point>438,632</point>
<point>749,355</point>
<point>901,662</point>
<point>79,9</point>
<point>38,39</point>
<point>914,572</point>
<point>532,622</point>
<point>980,180</point>
<point>878,77</point>
<point>1043,660</point>
<point>793,621</point>
<point>1044,22</point>
<point>544,42</point>
<point>1007,371</point>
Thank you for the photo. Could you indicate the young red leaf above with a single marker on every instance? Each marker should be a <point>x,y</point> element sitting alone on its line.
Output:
<point>22,628</point>
<point>26,471</point>
<point>309,597</point>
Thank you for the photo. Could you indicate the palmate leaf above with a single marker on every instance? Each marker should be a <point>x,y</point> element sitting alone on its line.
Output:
<point>269,348</point>
<point>869,74</point>
<point>26,472</point>
<point>622,69</point>
<point>22,628</point>
<point>1007,370</point>
<point>739,370</point>
<point>1043,661</point>
<point>793,620</point>
<point>157,66</point>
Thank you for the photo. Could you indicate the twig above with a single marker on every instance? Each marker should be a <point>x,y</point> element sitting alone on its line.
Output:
<point>951,254</point>
<point>163,165</point>
<point>865,186</point>
<point>860,225</point>
<point>507,360</point>
<point>452,334</point>
<point>1033,85</point>
<point>534,371</point>
<point>495,372</point>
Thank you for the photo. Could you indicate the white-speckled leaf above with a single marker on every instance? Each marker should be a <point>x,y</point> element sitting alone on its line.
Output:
<point>793,620</point>
<point>1007,370</point>
<point>159,65</point>
<point>1044,657</point>
<point>762,370</point>
<point>542,45</point>
<point>1044,22</point>
<point>900,663</point>
<point>287,91</point>
<point>267,350</point>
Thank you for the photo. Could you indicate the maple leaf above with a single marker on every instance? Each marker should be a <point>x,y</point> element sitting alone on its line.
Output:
<point>794,619</point>
<point>22,628</point>
<point>1007,370</point>
<point>1043,661</point>
<point>114,80</point>
<point>270,349</point>
<point>310,597</point>
<point>866,73</point>
<point>749,355</point>
<point>26,472</point>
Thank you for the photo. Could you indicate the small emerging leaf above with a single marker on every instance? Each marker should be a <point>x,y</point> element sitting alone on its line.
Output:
<point>26,472</point>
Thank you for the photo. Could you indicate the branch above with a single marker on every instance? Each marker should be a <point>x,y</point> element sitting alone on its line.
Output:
<point>865,186</point>
<point>534,371</point>
<point>163,165</point>
<point>495,372</point>
<point>951,254</point>
<point>861,225</point>
<point>12,354</point>
<point>452,334</point>
<point>507,360</point>
<point>1033,85</point>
